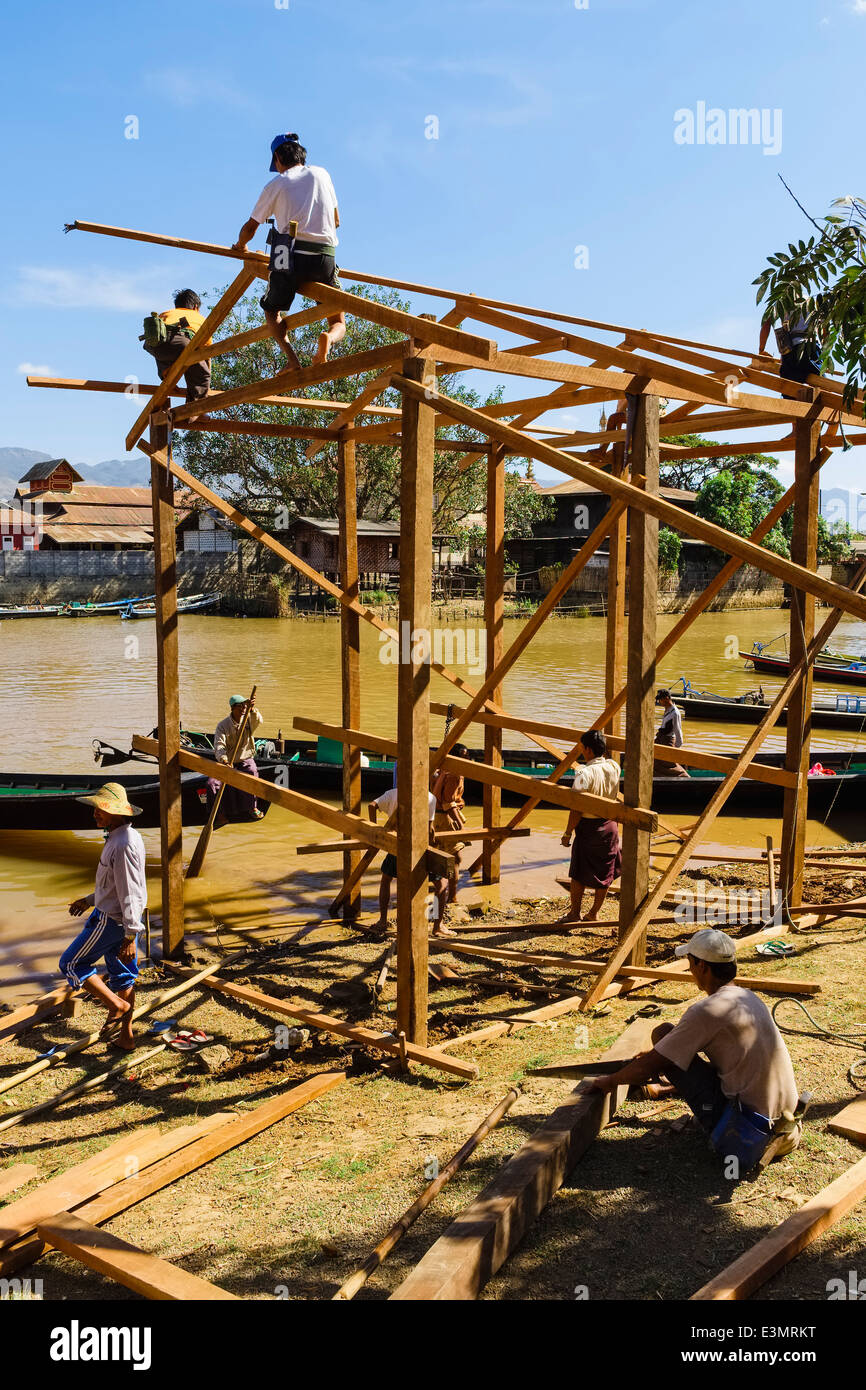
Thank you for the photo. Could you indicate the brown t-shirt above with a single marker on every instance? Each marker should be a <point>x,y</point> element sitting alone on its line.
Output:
<point>735,1031</point>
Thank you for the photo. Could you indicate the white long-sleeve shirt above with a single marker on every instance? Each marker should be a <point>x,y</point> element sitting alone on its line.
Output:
<point>226,737</point>
<point>672,726</point>
<point>121,886</point>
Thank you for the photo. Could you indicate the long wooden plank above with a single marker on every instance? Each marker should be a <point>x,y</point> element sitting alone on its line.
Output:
<point>769,984</point>
<point>381,1042</point>
<point>443,837</point>
<point>482,1237</point>
<point>835,595</point>
<point>224,305</point>
<point>851,1121</point>
<point>29,1014</point>
<point>124,1263</point>
<point>218,1134</point>
<point>16,1176</point>
<point>79,1183</point>
<point>756,1266</point>
<point>350,645</point>
<point>320,811</point>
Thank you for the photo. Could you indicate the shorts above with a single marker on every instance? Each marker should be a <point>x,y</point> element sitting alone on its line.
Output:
<point>100,936</point>
<point>799,366</point>
<point>283,284</point>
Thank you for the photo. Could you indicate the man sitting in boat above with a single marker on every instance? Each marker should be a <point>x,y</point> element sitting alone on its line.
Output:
<point>670,735</point>
<point>744,1094</point>
<point>236,805</point>
<point>118,903</point>
<point>387,804</point>
<point>596,855</point>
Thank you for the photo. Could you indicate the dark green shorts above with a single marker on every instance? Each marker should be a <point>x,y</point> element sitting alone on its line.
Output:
<point>283,284</point>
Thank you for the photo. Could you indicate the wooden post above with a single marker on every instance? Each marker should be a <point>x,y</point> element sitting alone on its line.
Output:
<point>804,550</point>
<point>494,607</point>
<point>413,699</point>
<point>614,666</point>
<point>350,652</point>
<point>168,696</point>
<point>641,676</point>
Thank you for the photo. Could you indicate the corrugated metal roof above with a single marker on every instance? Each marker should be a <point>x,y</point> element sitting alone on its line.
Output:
<point>98,535</point>
<point>573,487</point>
<point>331,526</point>
<point>101,516</point>
<point>96,494</point>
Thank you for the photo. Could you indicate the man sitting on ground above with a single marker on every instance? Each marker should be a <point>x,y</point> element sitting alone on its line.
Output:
<point>118,904</point>
<point>387,804</point>
<point>182,323</point>
<point>596,856</point>
<point>744,1095</point>
<point>303,194</point>
<point>236,805</point>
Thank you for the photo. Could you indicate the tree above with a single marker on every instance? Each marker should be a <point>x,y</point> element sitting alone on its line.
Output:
<point>824,279</point>
<point>265,475</point>
<point>691,473</point>
<point>740,500</point>
<point>834,540</point>
<point>670,547</point>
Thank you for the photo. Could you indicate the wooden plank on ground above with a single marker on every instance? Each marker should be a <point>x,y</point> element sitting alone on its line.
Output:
<point>851,1121</point>
<point>16,1176</point>
<point>759,1264</point>
<point>29,1014</point>
<point>217,1135</point>
<point>480,1239</point>
<point>381,1042</point>
<point>124,1263</point>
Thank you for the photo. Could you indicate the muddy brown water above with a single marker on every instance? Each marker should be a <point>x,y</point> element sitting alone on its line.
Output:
<point>68,681</point>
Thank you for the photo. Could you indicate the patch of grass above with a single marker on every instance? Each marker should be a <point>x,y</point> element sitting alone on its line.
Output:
<point>339,1167</point>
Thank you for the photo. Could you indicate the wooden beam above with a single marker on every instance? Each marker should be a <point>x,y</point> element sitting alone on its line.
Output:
<point>413,700</point>
<point>443,837</point>
<point>675,972</point>
<point>480,1239</point>
<point>167,697</point>
<point>479,772</point>
<point>851,1121</point>
<point>124,1263</point>
<point>494,614</point>
<point>29,1014</point>
<point>641,664</point>
<point>380,1042</point>
<point>835,595</point>
<point>16,1176</point>
<point>320,811</point>
<point>350,647</point>
<point>756,1266</point>
<point>798,728</point>
<point>614,664</point>
<point>424,329</point>
<point>192,1146</point>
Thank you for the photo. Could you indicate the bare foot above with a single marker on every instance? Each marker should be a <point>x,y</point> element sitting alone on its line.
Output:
<point>322,350</point>
<point>443,931</point>
<point>125,1044</point>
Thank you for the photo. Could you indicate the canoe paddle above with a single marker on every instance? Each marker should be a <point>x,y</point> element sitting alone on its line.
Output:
<point>201,848</point>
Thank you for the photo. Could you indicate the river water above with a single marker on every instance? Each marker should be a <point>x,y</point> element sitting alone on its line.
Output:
<point>68,681</point>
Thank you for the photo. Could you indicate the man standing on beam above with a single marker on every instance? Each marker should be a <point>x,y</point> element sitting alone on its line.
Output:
<point>302,194</point>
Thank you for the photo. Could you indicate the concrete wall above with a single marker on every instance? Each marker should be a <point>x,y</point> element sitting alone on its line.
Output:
<point>58,576</point>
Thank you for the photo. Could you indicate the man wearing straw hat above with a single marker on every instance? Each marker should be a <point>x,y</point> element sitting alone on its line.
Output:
<point>118,902</point>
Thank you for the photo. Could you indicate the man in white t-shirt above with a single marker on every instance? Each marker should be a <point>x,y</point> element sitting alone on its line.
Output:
<point>304,194</point>
<point>747,1061</point>
<point>387,804</point>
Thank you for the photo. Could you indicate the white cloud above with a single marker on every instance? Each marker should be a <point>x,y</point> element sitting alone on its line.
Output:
<point>182,87</point>
<point>859,6</point>
<point>34,369</point>
<point>56,288</point>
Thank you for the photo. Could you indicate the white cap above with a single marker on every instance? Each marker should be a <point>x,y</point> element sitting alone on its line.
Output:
<point>709,944</point>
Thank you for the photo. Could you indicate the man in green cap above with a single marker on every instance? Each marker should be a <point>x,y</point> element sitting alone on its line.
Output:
<point>236,805</point>
<point>118,904</point>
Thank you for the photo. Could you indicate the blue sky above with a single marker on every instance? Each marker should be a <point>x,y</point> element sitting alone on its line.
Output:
<point>555,130</point>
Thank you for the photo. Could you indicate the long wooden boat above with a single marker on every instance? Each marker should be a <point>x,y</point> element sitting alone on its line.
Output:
<point>844,712</point>
<point>837,674</point>
<point>47,801</point>
<point>193,603</point>
<point>316,766</point>
<point>73,609</point>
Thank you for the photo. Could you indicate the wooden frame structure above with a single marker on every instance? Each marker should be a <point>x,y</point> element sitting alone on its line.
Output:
<point>707,387</point>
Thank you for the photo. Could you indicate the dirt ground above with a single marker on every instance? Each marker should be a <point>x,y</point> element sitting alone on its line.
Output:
<point>289,1214</point>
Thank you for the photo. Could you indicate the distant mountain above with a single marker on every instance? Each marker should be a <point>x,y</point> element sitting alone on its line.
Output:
<point>129,472</point>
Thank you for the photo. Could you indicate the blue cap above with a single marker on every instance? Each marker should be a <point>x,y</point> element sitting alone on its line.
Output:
<point>275,145</point>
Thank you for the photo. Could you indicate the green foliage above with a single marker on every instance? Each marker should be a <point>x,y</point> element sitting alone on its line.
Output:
<point>276,473</point>
<point>691,473</point>
<point>834,541</point>
<point>824,279</point>
<point>738,501</point>
<point>670,548</point>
